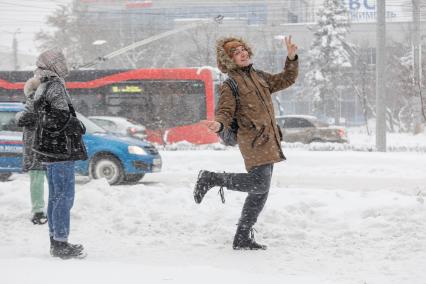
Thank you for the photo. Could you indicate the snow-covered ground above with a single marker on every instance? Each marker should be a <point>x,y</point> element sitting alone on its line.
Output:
<point>395,141</point>
<point>332,217</point>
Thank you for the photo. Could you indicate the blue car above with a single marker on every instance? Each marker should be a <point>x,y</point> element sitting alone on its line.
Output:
<point>119,159</point>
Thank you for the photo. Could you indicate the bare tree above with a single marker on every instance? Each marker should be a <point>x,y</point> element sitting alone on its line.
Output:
<point>202,48</point>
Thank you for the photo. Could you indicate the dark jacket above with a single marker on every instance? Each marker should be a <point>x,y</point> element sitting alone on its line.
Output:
<point>258,135</point>
<point>58,135</point>
<point>28,120</point>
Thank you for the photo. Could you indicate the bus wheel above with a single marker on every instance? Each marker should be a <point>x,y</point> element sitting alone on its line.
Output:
<point>5,176</point>
<point>109,167</point>
<point>133,178</point>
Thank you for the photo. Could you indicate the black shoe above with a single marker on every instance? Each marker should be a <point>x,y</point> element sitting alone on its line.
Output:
<point>75,246</point>
<point>39,218</point>
<point>248,245</point>
<point>204,184</point>
<point>244,240</point>
<point>65,250</point>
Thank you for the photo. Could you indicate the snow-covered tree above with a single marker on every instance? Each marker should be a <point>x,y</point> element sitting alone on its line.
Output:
<point>363,81</point>
<point>329,58</point>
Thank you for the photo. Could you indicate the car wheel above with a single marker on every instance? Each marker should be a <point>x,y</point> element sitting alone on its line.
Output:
<point>5,176</point>
<point>316,140</point>
<point>133,178</point>
<point>108,167</point>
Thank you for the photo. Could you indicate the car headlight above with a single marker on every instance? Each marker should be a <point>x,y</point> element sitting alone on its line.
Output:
<point>136,150</point>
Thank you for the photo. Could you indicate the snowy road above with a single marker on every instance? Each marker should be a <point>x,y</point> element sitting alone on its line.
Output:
<point>332,217</point>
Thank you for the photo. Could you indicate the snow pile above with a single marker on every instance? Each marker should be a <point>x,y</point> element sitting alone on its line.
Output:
<point>185,146</point>
<point>358,141</point>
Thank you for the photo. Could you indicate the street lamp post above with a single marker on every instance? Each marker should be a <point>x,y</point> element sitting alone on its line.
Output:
<point>422,94</point>
<point>15,51</point>
<point>14,47</point>
<point>97,44</point>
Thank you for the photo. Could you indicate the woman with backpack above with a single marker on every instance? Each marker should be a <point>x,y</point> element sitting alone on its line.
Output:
<point>246,96</point>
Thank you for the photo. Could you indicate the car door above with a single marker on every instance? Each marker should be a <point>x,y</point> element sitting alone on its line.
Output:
<point>10,144</point>
<point>296,129</point>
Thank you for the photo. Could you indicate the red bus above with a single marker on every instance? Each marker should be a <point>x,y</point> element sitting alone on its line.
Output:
<point>169,102</point>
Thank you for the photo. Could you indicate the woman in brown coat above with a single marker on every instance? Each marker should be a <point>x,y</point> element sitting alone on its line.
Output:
<point>258,135</point>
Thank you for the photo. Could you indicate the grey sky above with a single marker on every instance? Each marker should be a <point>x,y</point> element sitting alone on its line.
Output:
<point>30,16</point>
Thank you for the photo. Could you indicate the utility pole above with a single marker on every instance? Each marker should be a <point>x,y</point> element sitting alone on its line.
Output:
<point>380,76</point>
<point>417,104</point>
<point>15,52</point>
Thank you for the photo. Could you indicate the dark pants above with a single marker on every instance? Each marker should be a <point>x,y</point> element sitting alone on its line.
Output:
<point>256,183</point>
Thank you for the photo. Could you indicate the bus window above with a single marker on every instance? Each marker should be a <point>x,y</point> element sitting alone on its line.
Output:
<point>159,104</point>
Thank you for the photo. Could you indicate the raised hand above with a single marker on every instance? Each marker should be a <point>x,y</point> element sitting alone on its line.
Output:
<point>291,48</point>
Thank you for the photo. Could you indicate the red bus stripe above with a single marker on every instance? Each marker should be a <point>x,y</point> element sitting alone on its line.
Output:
<point>159,74</point>
<point>10,142</point>
<point>11,86</point>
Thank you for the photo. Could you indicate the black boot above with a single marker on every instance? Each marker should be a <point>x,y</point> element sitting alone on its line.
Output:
<point>39,218</point>
<point>244,240</point>
<point>65,250</point>
<point>206,180</point>
<point>75,246</point>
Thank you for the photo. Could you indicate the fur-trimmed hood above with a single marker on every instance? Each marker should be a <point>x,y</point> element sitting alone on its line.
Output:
<point>31,86</point>
<point>224,62</point>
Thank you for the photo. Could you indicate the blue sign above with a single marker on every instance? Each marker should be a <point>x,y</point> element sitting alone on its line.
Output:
<point>364,10</point>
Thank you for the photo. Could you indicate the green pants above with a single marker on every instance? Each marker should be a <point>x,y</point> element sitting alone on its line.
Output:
<point>37,190</point>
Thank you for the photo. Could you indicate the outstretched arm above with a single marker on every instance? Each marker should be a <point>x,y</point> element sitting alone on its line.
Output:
<point>224,112</point>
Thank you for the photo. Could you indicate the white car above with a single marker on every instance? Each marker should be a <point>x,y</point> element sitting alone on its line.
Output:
<point>120,125</point>
<point>307,129</point>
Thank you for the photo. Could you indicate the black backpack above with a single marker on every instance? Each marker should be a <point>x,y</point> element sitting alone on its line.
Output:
<point>229,134</point>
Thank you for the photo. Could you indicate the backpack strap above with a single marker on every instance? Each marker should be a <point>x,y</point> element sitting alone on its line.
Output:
<point>234,87</point>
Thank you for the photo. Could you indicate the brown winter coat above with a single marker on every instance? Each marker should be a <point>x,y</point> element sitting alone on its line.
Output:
<point>258,135</point>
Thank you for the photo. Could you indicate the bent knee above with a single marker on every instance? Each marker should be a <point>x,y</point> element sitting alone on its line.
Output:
<point>261,186</point>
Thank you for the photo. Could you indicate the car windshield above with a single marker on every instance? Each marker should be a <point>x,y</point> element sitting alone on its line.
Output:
<point>91,127</point>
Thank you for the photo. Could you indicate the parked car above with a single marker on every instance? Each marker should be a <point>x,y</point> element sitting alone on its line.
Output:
<point>120,125</point>
<point>10,141</point>
<point>307,129</point>
<point>119,159</point>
